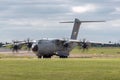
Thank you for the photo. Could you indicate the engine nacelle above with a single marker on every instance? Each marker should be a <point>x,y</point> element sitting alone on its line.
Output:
<point>35,48</point>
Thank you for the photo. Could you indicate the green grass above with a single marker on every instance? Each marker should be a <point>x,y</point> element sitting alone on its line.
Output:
<point>59,69</point>
<point>101,50</point>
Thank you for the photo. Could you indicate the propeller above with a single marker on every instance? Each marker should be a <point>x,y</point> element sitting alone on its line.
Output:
<point>29,44</point>
<point>84,44</point>
<point>66,44</point>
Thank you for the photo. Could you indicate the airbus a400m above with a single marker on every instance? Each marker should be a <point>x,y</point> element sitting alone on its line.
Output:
<point>61,47</point>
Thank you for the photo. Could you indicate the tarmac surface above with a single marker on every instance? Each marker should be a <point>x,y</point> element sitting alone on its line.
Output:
<point>19,53</point>
<point>22,53</point>
<point>4,50</point>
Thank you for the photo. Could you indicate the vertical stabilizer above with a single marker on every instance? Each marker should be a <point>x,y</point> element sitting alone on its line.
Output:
<point>75,30</point>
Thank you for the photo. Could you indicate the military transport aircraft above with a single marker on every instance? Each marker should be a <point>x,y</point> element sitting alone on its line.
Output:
<point>46,48</point>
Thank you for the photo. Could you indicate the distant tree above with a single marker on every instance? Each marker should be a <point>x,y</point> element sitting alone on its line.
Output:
<point>1,44</point>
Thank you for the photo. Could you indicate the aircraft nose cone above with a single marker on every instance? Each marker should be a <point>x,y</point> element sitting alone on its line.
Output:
<point>35,48</point>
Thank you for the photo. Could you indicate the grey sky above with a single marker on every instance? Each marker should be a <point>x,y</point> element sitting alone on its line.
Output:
<point>20,19</point>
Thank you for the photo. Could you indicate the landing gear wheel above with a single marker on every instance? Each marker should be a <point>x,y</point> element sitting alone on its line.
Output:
<point>47,56</point>
<point>63,56</point>
<point>39,56</point>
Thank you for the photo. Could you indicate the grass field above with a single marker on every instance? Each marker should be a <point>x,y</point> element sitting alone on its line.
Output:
<point>14,67</point>
<point>59,69</point>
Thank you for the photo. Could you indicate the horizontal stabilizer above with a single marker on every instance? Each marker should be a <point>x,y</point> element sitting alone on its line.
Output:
<point>81,21</point>
<point>67,22</point>
<point>90,21</point>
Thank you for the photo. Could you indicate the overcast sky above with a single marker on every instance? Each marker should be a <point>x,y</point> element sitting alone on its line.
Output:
<point>36,19</point>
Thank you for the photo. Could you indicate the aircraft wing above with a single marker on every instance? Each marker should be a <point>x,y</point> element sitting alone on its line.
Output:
<point>5,45</point>
<point>68,40</point>
<point>99,44</point>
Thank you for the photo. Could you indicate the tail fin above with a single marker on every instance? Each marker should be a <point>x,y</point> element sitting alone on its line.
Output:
<point>75,30</point>
<point>76,26</point>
